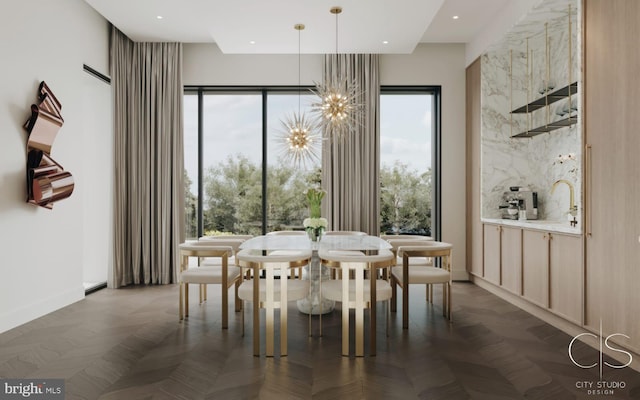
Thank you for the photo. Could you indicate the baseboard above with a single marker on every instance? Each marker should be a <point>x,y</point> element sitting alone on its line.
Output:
<point>458,275</point>
<point>552,319</point>
<point>29,312</point>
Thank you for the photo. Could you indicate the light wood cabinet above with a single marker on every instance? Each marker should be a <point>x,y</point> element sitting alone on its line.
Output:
<point>535,267</point>
<point>492,253</point>
<point>474,228</point>
<point>612,218</point>
<point>503,256</point>
<point>566,276</point>
<point>511,259</point>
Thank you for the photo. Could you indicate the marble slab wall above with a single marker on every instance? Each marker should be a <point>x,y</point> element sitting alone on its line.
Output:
<point>513,74</point>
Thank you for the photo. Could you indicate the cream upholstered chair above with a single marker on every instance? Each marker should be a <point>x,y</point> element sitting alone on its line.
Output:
<point>295,272</point>
<point>358,293</point>
<point>397,240</point>
<point>405,237</point>
<point>223,274</point>
<point>226,240</point>
<point>338,233</point>
<point>265,293</point>
<point>345,252</point>
<point>409,273</point>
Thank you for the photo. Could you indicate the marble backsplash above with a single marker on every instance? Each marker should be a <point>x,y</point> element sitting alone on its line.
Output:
<point>531,162</point>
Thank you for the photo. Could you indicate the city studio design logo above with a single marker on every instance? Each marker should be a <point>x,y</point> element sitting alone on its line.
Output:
<point>601,387</point>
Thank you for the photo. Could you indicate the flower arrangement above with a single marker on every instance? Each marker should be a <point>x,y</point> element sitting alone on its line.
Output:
<point>315,225</point>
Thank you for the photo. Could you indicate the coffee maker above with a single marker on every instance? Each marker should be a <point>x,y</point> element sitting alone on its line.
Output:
<point>520,204</point>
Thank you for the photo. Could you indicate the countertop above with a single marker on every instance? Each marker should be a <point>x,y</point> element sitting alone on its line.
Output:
<point>538,224</point>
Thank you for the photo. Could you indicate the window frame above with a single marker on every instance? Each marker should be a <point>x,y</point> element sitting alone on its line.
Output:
<point>201,90</point>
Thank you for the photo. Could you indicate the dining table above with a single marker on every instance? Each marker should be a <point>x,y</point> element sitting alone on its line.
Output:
<point>315,272</point>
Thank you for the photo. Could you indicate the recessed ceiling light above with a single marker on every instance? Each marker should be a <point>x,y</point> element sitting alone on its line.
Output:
<point>252,42</point>
<point>159,16</point>
<point>455,17</point>
<point>385,42</point>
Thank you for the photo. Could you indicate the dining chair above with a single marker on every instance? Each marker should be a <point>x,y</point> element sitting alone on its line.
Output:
<point>232,240</point>
<point>265,293</point>
<point>334,271</point>
<point>399,239</point>
<point>222,274</point>
<point>409,273</point>
<point>358,293</point>
<point>297,272</point>
<point>338,233</point>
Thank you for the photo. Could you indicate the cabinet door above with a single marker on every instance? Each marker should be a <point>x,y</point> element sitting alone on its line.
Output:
<point>511,260</point>
<point>612,191</point>
<point>535,267</point>
<point>566,283</point>
<point>474,229</point>
<point>492,253</point>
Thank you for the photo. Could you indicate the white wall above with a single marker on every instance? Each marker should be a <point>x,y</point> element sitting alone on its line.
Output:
<point>444,65</point>
<point>41,251</point>
<point>430,64</point>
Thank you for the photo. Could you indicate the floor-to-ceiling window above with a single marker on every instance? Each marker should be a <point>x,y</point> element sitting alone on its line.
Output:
<point>286,205</point>
<point>237,178</point>
<point>239,181</point>
<point>408,126</point>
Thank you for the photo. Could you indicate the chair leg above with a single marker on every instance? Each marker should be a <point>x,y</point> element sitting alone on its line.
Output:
<point>180,300</point>
<point>201,294</point>
<point>405,302</point>
<point>394,294</point>
<point>237,301</point>
<point>449,302</point>
<point>388,307</point>
<point>242,311</point>
<point>225,304</point>
<point>186,300</point>
<point>444,300</point>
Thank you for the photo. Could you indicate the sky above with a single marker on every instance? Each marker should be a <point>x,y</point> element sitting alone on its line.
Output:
<point>232,125</point>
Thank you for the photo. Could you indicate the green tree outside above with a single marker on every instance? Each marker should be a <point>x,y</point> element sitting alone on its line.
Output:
<point>233,198</point>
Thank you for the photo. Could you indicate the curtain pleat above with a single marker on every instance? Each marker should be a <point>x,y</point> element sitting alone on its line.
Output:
<point>148,185</point>
<point>350,166</point>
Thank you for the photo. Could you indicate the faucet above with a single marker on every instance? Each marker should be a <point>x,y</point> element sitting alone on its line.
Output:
<point>573,208</point>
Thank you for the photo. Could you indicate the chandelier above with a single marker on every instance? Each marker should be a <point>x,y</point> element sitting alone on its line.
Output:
<point>299,142</point>
<point>337,106</point>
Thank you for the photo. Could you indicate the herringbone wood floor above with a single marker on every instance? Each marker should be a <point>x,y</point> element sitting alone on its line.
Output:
<point>128,344</point>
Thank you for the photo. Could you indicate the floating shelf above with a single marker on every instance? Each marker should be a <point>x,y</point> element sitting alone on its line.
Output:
<point>547,128</point>
<point>550,98</point>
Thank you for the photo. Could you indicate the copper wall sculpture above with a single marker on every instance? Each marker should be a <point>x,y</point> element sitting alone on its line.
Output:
<point>47,181</point>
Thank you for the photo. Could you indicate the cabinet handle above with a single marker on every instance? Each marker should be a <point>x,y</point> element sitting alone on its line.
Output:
<point>589,198</point>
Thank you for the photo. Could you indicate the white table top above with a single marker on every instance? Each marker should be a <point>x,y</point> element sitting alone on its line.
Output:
<point>328,242</point>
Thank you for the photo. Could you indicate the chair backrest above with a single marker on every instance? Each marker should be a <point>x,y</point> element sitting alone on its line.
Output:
<point>232,241</point>
<point>427,249</point>
<point>395,243</point>
<point>405,237</point>
<point>248,258</point>
<point>352,233</point>
<point>383,259</point>
<point>287,233</point>
<point>226,237</point>
<point>203,249</point>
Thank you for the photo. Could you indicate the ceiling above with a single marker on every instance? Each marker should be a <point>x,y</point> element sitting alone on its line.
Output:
<point>267,27</point>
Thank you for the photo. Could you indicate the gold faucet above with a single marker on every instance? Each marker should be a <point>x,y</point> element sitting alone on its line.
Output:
<point>573,208</point>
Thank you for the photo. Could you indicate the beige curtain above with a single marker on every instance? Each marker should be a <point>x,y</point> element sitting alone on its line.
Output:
<point>350,167</point>
<point>146,80</point>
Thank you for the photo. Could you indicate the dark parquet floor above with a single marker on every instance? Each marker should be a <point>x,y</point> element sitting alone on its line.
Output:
<point>128,344</point>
